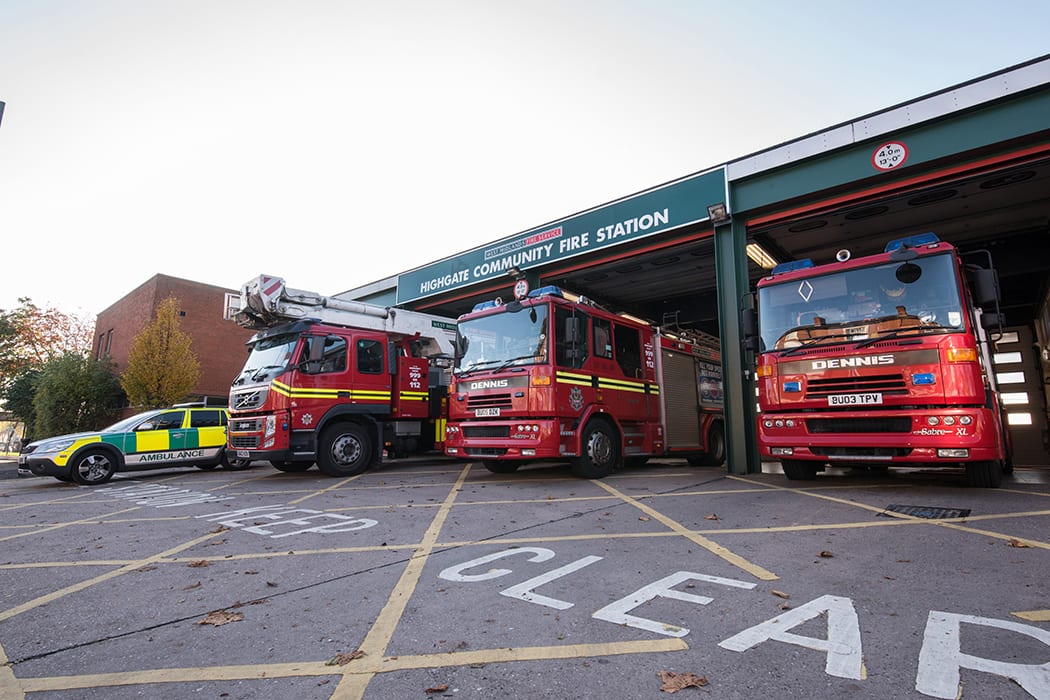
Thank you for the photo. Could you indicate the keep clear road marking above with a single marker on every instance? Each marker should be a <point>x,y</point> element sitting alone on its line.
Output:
<point>716,549</point>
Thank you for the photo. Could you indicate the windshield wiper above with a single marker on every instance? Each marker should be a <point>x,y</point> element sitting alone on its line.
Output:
<point>913,330</point>
<point>512,360</point>
<point>255,374</point>
<point>815,341</point>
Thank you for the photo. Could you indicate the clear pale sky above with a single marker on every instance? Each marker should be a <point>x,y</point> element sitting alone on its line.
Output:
<point>337,143</point>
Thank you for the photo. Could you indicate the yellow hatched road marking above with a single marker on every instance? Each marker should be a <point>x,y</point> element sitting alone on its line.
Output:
<point>1034,615</point>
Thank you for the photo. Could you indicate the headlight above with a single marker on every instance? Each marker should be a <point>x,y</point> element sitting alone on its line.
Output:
<point>56,445</point>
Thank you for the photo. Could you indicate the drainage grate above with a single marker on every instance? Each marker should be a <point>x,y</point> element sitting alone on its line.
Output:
<point>929,512</point>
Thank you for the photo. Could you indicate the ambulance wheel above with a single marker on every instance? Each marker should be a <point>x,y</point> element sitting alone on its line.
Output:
<point>93,467</point>
<point>601,451</point>
<point>984,475</point>
<point>497,467</point>
<point>345,450</point>
<point>289,466</point>
<point>799,469</point>
<point>235,464</point>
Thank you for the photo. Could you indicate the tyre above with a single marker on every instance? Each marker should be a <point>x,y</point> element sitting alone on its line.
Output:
<point>289,466</point>
<point>601,452</point>
<point>345,449</point>
<point>984,475</point>
<point>716,449</point>
<point>498,467</point>
<point>799,470</point>
<point>93,467</point>
<point>233,463</point>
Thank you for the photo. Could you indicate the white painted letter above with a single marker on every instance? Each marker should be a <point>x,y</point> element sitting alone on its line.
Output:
<point>842,646</point>
<point>453,573</point>
<point>941,658</point>
<point>617,612</point>
<point>524,589</point>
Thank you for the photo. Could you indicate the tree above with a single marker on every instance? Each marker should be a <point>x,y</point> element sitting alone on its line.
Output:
<point>19,394</point>
<point>31,336</point>
<point>162,367</point>
<point>74,394</point>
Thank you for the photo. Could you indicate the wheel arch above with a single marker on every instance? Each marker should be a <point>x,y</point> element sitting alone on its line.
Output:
<point>114,453</point>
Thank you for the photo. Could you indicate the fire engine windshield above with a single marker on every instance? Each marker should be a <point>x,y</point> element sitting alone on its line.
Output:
<point>911,298</point>
<point>268,358</point>
<point>510,337</point>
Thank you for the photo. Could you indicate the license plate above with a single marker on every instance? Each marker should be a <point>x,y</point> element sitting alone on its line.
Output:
<point>486,412</point>
<point>854,399</point>
<point>244,454</point>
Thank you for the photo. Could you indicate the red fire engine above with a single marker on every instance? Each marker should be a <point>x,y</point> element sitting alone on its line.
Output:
<point>550,376</point>
<point>334,381</point>
<point>878,361</point>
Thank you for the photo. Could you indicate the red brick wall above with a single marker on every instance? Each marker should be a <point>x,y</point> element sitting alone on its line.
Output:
<point>218,343</point>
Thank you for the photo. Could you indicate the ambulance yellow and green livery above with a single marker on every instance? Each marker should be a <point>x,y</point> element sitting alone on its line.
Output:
<point>182,435</point>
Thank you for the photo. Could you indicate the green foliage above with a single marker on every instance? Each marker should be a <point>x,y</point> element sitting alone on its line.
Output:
<point>74,394</point>
<point>31,336</point>
<point>19,396</point>
<point>162,368</point>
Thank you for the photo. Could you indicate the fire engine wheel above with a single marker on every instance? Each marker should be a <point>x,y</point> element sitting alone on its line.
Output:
<point>497,467</point>
<point>799,469</point>
<point>93,467</point>
<point>601,452</point>
<point>984,475</point>
<point>288,466</point>
<point>234,464</point>
<point>345,450</point>
<point>716,449</point>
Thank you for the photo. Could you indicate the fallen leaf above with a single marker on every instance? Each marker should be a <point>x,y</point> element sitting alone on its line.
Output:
<point>199,564</point>
<point>437,688</point>
<point>642,517</point>
<point>673,682</point>
<point>826,554</point>
<point>220,618</point>
<point>221,528</point>
<point>344,659</point>
<point>148,567</point>
<point>192,586</point>
<point>1014,542</point>
<point>711,517</point>
<point>780,594</point>
<point>784,606</point>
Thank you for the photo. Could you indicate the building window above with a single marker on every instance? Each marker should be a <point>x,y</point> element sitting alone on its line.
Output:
<point>231,304</point>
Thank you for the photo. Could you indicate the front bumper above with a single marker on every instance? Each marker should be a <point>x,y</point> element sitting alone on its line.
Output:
<point>29,465</point>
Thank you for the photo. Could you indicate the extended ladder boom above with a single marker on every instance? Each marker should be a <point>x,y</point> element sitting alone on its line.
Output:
<point>267,302</point>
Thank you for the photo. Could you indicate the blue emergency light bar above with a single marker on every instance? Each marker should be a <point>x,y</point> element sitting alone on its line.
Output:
<point>791,266</point>
<point>912,241</point>
<point>549,289</point>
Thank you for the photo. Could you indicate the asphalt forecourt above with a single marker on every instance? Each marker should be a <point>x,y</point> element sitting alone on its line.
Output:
<point>433,578</point>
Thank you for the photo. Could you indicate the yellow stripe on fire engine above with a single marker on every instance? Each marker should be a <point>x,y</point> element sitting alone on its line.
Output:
<point>622,386</point>
<point>571,378</point>
<point>415,395</point>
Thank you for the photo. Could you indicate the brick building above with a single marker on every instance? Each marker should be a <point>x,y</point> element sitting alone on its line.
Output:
<point>217,341</point>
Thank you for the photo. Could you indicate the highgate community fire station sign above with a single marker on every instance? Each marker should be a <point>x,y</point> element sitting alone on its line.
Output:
<point>658,210</point>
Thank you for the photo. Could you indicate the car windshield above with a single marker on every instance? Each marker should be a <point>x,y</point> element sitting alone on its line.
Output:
<point>516,336</point>
<point>915,297</point>
<point>268,358</point>
<point>127,424</point>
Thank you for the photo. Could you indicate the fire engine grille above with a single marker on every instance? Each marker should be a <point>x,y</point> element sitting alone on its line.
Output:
<point>885,383</point>
<point>249,399</point>
<point>861,452</point>
<point>486,452</point>
<point>246,442</point>
<point>488,401</point>
<point>486,431</point>
<point>245,425</point>
<point>898,424</point>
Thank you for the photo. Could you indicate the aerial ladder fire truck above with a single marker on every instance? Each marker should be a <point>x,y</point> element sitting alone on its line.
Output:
<point>551,376</point>
<point>336,381</point>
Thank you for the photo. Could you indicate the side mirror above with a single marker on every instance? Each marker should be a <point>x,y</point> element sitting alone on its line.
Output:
<point>985,286</point>
<point>573,329</point>
<point>148,425</point>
